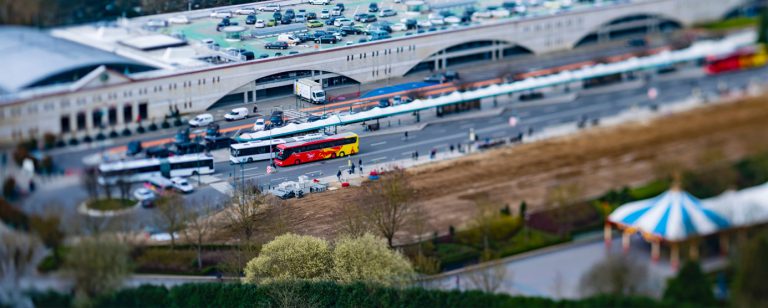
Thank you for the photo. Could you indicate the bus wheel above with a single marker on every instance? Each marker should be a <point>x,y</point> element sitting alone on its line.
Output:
<point>333,155</point>
<point>194,173</point>
<point>341,154</point>
<point>250,159</point>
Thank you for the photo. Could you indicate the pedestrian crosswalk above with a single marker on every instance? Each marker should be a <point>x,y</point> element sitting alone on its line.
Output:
<point>223,187</point>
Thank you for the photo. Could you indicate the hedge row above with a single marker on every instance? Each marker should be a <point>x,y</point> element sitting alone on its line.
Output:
<point>324,294</point>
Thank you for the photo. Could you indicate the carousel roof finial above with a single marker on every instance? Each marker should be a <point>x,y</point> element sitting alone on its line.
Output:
<point>677,182</point>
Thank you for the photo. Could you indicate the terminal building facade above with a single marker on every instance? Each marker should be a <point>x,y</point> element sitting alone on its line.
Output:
<point>72,83</point>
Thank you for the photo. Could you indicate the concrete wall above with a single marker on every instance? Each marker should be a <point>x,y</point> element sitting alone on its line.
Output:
<point>195,91</point>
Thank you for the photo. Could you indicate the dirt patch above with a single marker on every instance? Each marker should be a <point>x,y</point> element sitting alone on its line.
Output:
<point>595,161</point>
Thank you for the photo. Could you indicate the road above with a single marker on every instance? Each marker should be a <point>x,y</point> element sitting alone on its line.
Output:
<point>554,109</point>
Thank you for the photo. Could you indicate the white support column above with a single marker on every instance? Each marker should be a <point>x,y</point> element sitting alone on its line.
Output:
<point>608,234</point>
<point>693,250</point>
<point>674,256</point>
<point>625,238</point>
<point>655,250</point>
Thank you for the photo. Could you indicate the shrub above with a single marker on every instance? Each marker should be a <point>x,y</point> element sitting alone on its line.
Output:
<point>499,228</point>
<point>456,254</point>
<point>690,286</point>
<point>12,216</point>
<point>165,260</point>
<point>9,188</point>
<point>49,141</point>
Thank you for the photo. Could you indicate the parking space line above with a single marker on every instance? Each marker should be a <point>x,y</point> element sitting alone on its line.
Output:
<point>378,159</point>
<point>378,143</point>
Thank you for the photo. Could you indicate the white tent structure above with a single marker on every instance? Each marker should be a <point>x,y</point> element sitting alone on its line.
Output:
<point>742,208</point>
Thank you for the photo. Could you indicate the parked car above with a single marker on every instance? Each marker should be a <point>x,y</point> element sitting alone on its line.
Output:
<point>277,15</point>
<point>348,30</point>
<point>368,18</point>
<point>157,151</point>
<point>182,185</point>
<point>325,14</point>
<point>387,13</point>
<point>311,16</point>
<point>248,55</point>
<point>145,196</point>
<point>157,23</point>
<point>286,20</point>
<point>399,27</point>
<point>336,11</point>
<point>250,19</point>
<point>300,17</point>
<point>343,22</point>
<point>260,24</point>
<point>319,2</point>
<point>236,114</point>
<point>289,13</point>
<point>443,77</point>
<point>327,39</point>
<point>314,24</point>
<point>273,7</point>
<point>221,14</point>
<point>263,56</point>
<point>259,125</point>
<point>133,148</point>
<point>378,35</point>
<point>340,6</point>
<point>359,16</point>
<point>271,23</point>
<point>288,38</point>
<point>276,119</point>
<point>201,120</point>
<point>245,11</point>
<point>276,45</point>
<point>181,19</point>
<point>373,7</point>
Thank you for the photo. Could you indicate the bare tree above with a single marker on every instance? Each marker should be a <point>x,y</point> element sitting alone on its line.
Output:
<point>354,220</point>
<point>388,203</point>
<point>615,275</point>
<point>90,183</point>
<point>489,279</point>
<point>19,255</point>
<point>124,187</point>
<point>172,215</point>
<point>559,198</point>
<point>245,207</point>
<point>199,226</point>
<point>98,265</point>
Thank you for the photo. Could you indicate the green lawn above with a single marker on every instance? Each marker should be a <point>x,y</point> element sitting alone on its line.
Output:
<point>110,204</point>
<point>732,23</point>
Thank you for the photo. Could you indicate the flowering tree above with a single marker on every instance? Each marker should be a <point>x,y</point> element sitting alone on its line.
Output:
<point>369,259</point>
<point>290,257</point>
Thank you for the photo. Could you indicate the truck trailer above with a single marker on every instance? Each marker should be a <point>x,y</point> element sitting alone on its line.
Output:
<point>309,90</point>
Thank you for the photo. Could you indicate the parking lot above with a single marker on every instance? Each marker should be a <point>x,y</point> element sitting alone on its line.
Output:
<point>444,15</point>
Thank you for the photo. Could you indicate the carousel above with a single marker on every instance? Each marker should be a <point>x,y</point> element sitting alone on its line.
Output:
<point>672,219</point>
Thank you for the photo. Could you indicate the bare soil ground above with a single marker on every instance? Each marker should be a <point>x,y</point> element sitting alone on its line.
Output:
<point>594,161</point>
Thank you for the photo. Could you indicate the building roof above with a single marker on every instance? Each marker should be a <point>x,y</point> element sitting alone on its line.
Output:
<point>32,57</point>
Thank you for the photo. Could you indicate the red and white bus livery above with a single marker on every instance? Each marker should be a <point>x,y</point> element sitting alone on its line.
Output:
<point>308,151</point>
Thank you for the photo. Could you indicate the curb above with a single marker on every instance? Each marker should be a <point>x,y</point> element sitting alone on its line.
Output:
<point>83,209</point>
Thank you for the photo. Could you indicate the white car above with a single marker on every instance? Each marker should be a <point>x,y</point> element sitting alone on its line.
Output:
<point>336,12</point>
<point>221,14</point>
<point>398,27</point>
<point>500,13</point>
<point>182,185</point>
<point>481,15</point>
<point>325,14</point>
<point>145,196</point>
<point>270,8</point>
<point>343,22</point>
<point>245,11</point>
<point>437,21</point>
<point>157,23</point>
<point>181,19</point>
<point>260,24</point>
<point>259,125</point>
<point>201,120</point>
<point>424,24</point>
<point>452,20</point>
<point>319,2</point>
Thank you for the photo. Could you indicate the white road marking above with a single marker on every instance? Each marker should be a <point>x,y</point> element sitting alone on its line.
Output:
<point>378,143</point>
<point>378,159</point>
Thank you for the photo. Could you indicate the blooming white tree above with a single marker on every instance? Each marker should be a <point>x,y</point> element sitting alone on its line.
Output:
<point>290,257</point>
<point>368,258</point>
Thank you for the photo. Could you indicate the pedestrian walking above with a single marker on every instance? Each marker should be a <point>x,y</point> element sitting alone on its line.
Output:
<point>451,148</point>
<point>416,155</point>
<point>433,153</point>
<point>338,175</point>
<point>360,162</point>
<point>406,135</point>
<point>352,169</point>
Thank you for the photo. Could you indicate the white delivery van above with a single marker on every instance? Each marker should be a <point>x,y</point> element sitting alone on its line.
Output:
<point>236,114</point>
<point>290,39</point>
<point>201,120</point>
<point>309,90</point>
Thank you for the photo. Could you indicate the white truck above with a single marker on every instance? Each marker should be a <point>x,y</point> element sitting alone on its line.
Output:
<point>309,90</point>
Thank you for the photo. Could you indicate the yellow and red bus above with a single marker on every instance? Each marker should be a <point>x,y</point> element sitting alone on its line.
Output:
<point>330,147</point>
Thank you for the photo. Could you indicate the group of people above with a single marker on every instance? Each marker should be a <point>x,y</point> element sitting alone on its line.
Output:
<point>351,166</point>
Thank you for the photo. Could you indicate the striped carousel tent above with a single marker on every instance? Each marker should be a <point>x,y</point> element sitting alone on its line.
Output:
<point>673,216</point>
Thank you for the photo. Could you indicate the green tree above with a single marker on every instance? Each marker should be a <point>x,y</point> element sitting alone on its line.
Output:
<point>291,257</point>
<point>369,259</point>
<point>98,266</point>
<point>762,32</point>
<point>690,286</point>
<point>749,287</point>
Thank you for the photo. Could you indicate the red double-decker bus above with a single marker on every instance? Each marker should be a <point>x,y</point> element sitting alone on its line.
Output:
<point>308,151</point>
